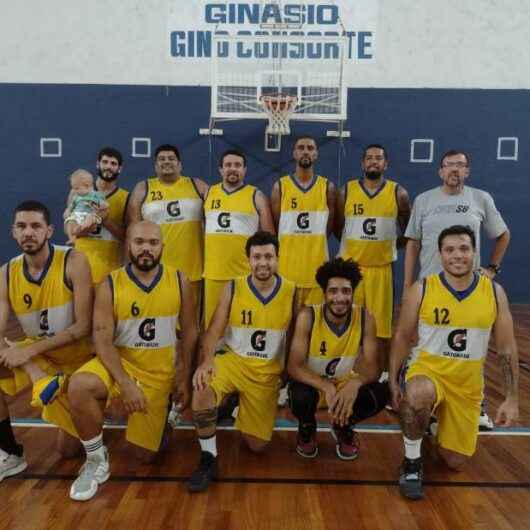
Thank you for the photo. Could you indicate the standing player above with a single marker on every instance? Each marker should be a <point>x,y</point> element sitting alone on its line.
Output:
<point>370,212</point>
<point>234,211</point>
<point>102,244</point>
<point>303,206</point>
<point>254,314</point>
<point>174,202</point>
<point>326,347</point>
<point>453,313</point>
<point>136,315</point>
<point>49,289</point>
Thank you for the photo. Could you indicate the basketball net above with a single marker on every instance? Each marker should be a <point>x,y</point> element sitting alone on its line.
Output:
<point>279,109</point>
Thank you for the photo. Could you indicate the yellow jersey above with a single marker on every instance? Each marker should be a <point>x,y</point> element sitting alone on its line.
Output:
<point>370,224</point>
<point>302,229</point>
<point>454,330</point>
<point>257,326</point>
<point>146,320</point>
<point>177,208</point>
<point>231,218</point>
<point>102,249</point>
<point>45,306</point>
<point>332,350</point>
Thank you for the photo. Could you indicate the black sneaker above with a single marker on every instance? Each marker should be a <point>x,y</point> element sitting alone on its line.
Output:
<point>206,472</point>
<point>306,443</point>
<point>411,478</point>
<point>347,441</point>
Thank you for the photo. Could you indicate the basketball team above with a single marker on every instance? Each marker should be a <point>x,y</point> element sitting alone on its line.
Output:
<point>209,297</point>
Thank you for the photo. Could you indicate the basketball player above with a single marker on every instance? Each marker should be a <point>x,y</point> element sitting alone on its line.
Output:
<point>49,289</point>
<point>174,202</point>
<point>233,211</point>
<point>453,313</point>
<point>136,315</point>
<point>102,244</point>
<point>253,314</point>
<point>370,213</point>
<point>329,341</point>
<point>303,206</point>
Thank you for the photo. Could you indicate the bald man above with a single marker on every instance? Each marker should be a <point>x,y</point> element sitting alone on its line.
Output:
<point>137,311</point>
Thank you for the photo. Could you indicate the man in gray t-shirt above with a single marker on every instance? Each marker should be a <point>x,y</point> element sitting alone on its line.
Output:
<point>452,204</point>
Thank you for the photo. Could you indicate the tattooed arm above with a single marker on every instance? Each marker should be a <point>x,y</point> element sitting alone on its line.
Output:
<point>508,412</point>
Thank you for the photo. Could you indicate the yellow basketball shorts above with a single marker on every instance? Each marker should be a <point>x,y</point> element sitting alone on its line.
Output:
<point>376,293</point>
<point>57,412</point>
<point>307,296</point>
<point>143,429</point>
<point>258,393</point>
<point>212,293</point>
<point>457,414</point>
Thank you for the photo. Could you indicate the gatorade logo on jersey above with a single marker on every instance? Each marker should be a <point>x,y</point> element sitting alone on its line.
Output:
<point>457,341</point>
<point>44,324</point>
<point>331,367</point>
<point>147,332</point>
<point>223,220</point>
<point>302,221</point>
<point>173,209</point>
<point>257,340</point>
<point>369,227</point>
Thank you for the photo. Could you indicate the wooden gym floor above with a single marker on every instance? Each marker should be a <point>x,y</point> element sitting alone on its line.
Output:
<point>280,490</point>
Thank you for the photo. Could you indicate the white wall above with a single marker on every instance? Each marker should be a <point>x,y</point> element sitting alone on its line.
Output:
<point>416,43</point>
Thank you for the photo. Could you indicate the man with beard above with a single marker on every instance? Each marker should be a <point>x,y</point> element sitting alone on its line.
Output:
<point>453,313</point>
<point>49,289</point>
<point>329,342</point>
<point>453,203</point>
<point>234,211</point>
<point>303,206</point>
<point>174,202</point>
<point>137,312</point>
<point>102,243</point>
<point>254,314</point>
<point>370,212</point>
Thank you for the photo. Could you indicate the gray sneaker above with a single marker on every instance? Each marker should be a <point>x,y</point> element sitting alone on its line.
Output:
<point>411,478</point>
<point>11,465</point>
<point>93,473</point>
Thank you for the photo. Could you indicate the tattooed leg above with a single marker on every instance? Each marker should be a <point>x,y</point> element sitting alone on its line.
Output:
<point>204,412</point>
<point>416,406</point>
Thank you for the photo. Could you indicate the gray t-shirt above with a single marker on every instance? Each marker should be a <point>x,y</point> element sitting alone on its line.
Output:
<point>435,210</point>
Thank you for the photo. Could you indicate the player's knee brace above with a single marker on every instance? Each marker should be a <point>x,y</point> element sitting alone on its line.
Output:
<point>303,400</point>
<point>371,399</point>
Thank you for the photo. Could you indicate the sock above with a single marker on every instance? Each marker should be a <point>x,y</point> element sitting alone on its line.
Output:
<point>7,439</point>
<point>94,448</point>
<point>209,445</point>
<point>412,448</point>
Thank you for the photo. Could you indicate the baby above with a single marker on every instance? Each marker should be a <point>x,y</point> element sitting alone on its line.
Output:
<point>83,200</point>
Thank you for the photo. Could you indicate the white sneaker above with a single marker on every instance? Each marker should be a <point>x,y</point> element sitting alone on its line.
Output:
<point>283,396</point>
<point>485,423</point>
<point>174,416</point>
<point>11,465</point>
<point>93,473</point>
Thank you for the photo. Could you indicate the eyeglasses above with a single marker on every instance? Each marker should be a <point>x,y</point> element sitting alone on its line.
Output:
<point>459,165</point>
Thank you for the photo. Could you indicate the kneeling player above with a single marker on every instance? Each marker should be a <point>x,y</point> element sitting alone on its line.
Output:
<point>136,315</point>
<point>452,313</point>
<point>329,339</point>
<point>254,314</point>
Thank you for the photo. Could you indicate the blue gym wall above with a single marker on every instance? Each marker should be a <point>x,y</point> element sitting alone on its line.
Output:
<point>87,117</point>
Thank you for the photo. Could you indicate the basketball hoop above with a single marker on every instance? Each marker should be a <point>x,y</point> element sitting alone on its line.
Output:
<point>279,109</point>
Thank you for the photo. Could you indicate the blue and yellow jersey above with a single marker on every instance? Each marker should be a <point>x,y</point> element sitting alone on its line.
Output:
<point>231,218</point>
<point>332,350</point>
<point>454,330</point>
<point>177,208</point>
<point>302,229</point>
<point>102,249</point>
<point>45,306</point>
<point>146,320</point>
<point>257,326</point>
<point>370,224</point>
